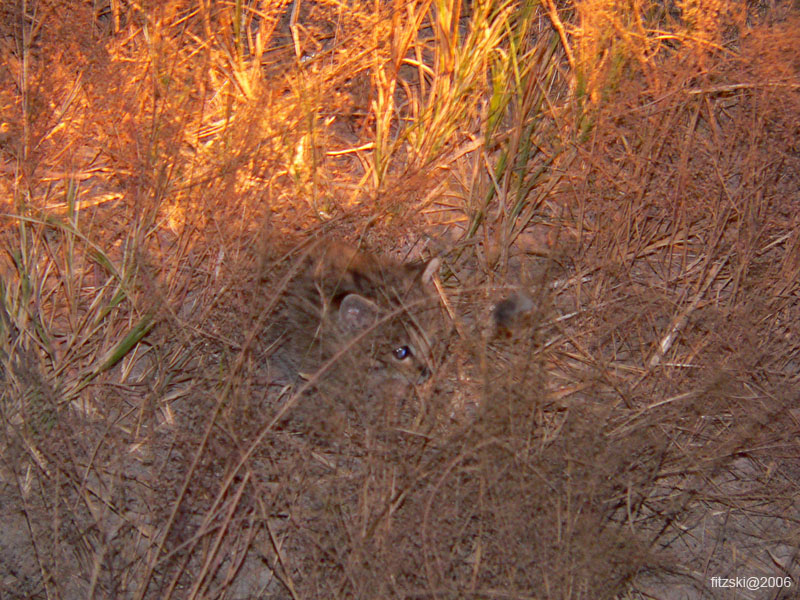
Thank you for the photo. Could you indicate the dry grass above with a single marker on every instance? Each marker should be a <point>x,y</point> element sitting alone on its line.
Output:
<point>633,167</point>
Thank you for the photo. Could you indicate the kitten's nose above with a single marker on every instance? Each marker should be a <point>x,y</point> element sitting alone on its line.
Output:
<point>424,373</point>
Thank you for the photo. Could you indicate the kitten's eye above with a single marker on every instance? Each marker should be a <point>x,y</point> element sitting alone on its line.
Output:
<point>401,353</point>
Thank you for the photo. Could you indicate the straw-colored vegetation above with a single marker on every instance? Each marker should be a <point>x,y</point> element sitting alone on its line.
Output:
<point>633,167</point>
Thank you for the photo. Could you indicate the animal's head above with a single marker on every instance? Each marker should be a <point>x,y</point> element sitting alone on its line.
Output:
<point>389,310</point>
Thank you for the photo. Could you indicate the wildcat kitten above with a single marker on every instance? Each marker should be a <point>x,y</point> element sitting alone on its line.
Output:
<point>370,314</point>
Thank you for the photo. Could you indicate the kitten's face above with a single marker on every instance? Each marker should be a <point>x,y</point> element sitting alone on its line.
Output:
<point>374,316</point>
<point>367,318</point>
<point>395,338</point>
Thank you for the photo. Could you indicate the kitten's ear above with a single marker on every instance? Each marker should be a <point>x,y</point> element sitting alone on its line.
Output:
<point>507,313</point>
<point>356,313</point>
<point>430,272</point>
